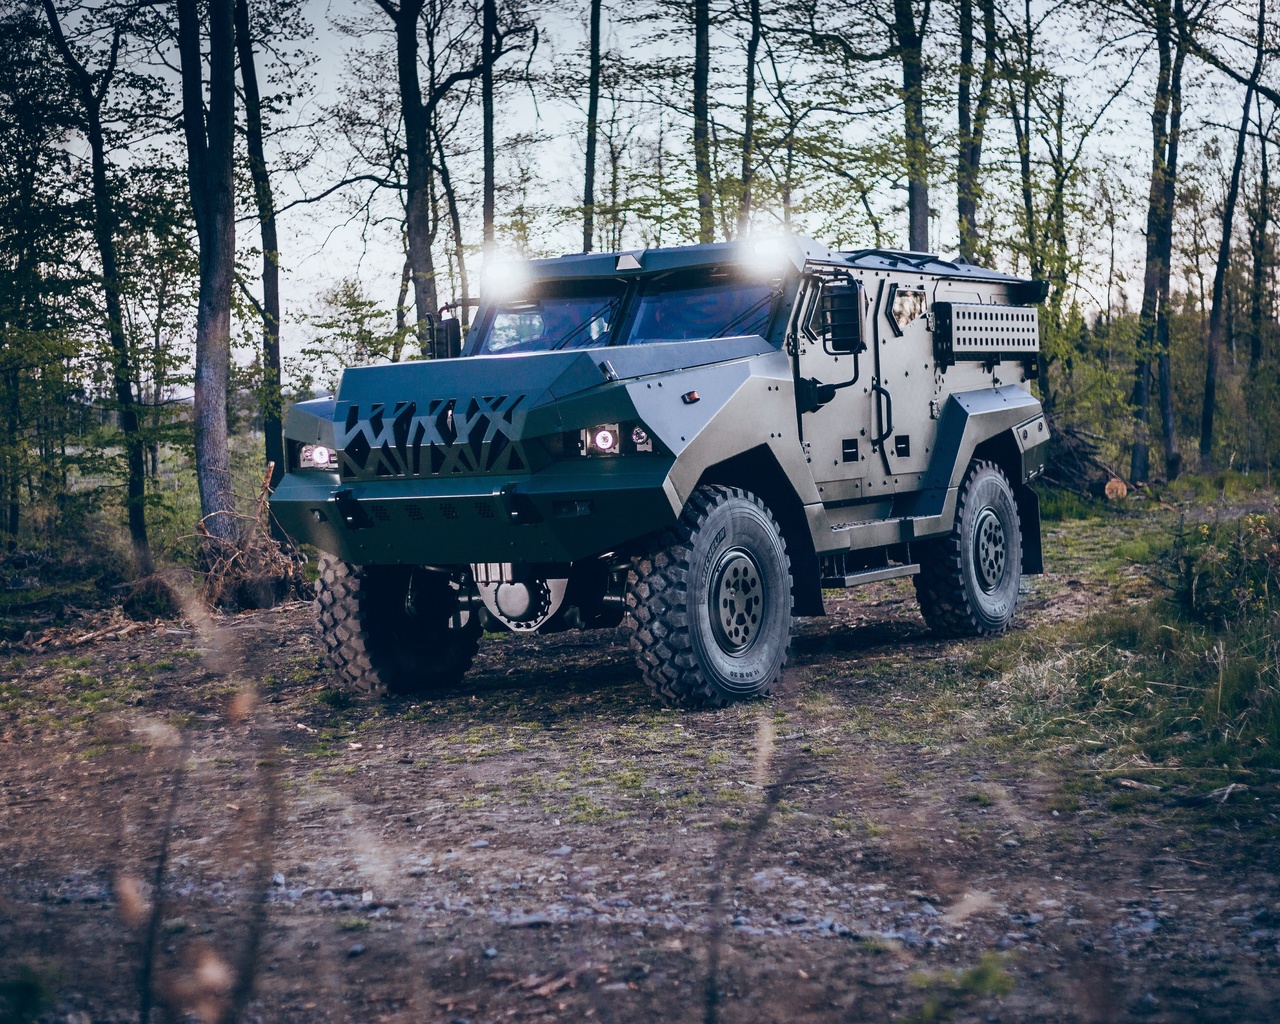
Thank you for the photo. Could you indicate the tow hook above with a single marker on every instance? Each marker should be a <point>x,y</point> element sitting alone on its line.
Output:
<point>350,512</point>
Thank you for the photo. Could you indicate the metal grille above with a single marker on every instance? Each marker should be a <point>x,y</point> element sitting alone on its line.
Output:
<point>447,437</point>
<point>973,331</point>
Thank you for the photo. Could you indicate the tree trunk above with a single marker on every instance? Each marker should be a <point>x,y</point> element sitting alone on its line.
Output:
<point>972,122</point>
<point>1020,115</point>
<point>489,35</point>
<point>1172,458</point>
<point>749,118</point>
<point>272,403</point>
<point>210,138</point>
<point>1258,238</point>
<point>593,114</point>
<point>13,472</point>
<point>419,228</point>
<point>966,200</point>
<point>463,313</point>
<point>104,232</point>
<point>402,310</point>
<point>909,42</point>
<point>701,117</point>
<point>1140,458</point>
<point>1217,311</point>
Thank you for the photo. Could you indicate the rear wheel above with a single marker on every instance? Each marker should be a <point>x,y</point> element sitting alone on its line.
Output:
<point>392,630</point>
<point>710,608</point>
<point>969,580</point>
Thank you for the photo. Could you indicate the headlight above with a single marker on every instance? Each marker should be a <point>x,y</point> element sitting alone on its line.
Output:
<point>317,456</point>
<point>615,439</point>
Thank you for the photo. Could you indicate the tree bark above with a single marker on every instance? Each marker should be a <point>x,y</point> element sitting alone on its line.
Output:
<point>418,113</point>
<point>1217,311</point>
<point>402,310</point>
<point>972,122</point>
<point>488,41</point>
<point>749,117</point>
<point>701,118</point>
<point>1140,457</point>
<point>418,223</point>
<point>210,142</point>
<point>455,222</point>
<point>593,115</point>
<point>909,42</point>
<point>264,200</point>
<point>1172,457</point>
<point>104,233</point>
<point>1258,239</point>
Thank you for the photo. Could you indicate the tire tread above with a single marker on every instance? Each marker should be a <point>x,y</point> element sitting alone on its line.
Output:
<point>657,616</point>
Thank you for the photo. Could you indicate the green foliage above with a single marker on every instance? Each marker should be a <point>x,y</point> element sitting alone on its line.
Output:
<point>1057,505</point>
<point>955,990</point>
<point>1229,572</point>
<point>1191,682</point>
<point>352,330</point>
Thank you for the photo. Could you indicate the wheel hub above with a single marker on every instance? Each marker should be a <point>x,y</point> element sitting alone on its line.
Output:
<point>736,599</point>
<point>989,550</point>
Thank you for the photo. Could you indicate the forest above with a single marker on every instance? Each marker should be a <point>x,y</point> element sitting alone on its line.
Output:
<point>209,208</point>
<point>173,175</point>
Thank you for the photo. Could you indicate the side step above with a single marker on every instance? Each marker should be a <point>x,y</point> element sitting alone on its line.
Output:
<point>853,579</point>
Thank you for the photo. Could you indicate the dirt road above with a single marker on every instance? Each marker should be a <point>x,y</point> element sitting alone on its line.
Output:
<point>547,843</point>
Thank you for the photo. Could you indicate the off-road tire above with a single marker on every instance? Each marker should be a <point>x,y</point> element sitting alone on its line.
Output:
<point>373,646</point>
<point>727,543</point>
<point>969,580</point>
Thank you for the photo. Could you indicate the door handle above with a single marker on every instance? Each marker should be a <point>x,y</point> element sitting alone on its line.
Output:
<point>884,409</point>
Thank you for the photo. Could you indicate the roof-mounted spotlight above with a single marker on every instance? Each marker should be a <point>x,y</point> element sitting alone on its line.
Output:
<point>769,254</point>
<point>505,279</point>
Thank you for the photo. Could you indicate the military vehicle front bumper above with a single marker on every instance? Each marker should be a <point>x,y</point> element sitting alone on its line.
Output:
<point>568,511</point>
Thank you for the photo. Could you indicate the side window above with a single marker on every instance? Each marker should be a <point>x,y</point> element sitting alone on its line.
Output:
<point>906,305</point>
<point>815,322</point>
<point>812,321</point>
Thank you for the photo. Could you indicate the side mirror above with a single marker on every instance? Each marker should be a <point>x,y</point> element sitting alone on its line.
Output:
<point>449,338</point>
<point>842,317</point>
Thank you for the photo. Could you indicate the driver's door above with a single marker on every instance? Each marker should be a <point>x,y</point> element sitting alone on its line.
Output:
<point>836,437</point>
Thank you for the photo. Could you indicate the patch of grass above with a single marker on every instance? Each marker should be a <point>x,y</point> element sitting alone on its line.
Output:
<point>335,698</point>
<point>1149,683</point>
<point>353,924</point>
<point>583,809</point>
<point>1229,485</point>
<point>628,780</point>
<point>1057,505</point>
<point>1135,551</point>
<point>953,991</point>
<point>1064,802</point>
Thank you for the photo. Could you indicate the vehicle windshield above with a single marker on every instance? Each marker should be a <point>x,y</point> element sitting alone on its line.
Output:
<point>565,314</point>
<point>700,305</point>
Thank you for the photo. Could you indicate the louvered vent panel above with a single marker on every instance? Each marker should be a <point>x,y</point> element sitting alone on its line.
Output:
<point>973,331</point>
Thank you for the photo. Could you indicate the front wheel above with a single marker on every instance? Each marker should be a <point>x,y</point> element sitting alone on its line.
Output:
<point>392,630</point>
<point>709,608</point>
<point>969,580</point>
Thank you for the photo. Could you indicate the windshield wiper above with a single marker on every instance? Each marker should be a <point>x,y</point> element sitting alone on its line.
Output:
<point>606,310</point>
<point>743,316</point>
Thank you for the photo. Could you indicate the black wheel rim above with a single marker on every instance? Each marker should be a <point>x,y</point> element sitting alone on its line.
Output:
<point>736,600</point>
<point>989,553</point>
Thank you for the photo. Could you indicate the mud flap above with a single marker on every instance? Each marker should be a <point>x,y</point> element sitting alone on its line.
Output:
<point>1028,503</point>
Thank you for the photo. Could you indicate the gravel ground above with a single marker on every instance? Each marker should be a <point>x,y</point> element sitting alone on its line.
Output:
<point>546,842</point>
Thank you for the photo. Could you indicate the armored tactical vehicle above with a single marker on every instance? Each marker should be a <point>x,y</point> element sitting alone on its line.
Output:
<point>694,442</point>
